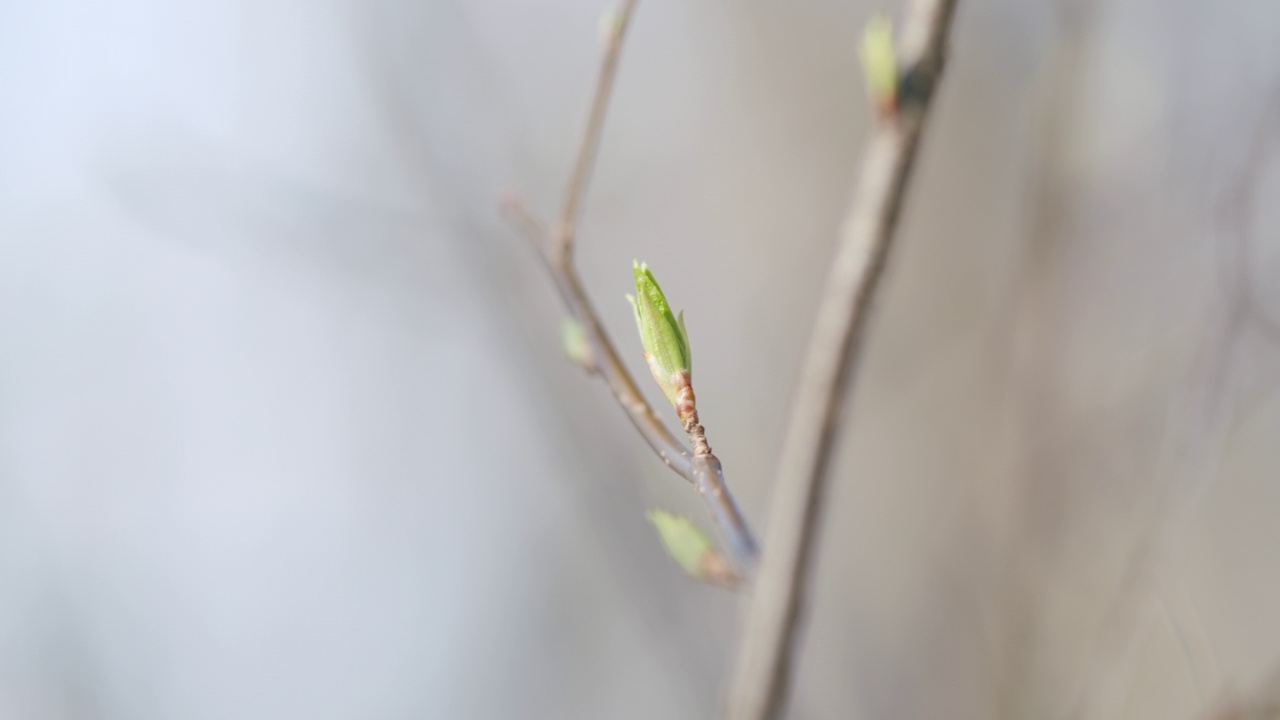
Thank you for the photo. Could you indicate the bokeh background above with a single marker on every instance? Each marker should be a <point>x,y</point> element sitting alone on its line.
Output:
<point>285,431</point>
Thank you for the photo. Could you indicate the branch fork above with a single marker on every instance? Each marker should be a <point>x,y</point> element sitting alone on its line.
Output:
<point>668,359</point>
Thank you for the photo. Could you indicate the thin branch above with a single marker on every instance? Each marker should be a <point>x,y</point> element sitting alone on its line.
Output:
<point>615,30</point>
<point>758,686</point>
<point>555,248</point>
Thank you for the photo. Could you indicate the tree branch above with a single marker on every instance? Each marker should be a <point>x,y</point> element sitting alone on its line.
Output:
<point>555,248</point>
<point>758,686</point>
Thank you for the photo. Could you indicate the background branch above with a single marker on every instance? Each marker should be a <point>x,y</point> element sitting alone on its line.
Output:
<point>1260,703</point>
<point>758,685</point>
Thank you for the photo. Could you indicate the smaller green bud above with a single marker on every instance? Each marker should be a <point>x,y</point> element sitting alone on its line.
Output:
<point>573,338</point>
<point>880,63</point>
<point>685,543</point>
<point>666,343</point>
<point>612,24</point>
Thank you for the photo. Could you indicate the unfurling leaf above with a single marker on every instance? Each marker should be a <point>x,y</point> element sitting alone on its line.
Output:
<point>666,344</point>
<point>880,63</point>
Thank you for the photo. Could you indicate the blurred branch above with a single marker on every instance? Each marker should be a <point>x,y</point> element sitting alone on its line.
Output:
<point>1238,218</point>
<point>1194,448</point>
<point>1261,703</point>
<point>759,683</point>
<point>1188,630</point>
<point>555,248</point>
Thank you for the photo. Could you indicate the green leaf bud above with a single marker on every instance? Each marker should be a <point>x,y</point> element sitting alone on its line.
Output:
<point>573,339</point>
<point>663,335</point>
<point>880,63</point>
<point>685,543</point>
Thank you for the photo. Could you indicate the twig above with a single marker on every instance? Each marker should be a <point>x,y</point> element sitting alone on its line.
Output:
<point>555,248</point>
<point>607,363</point>
<point>759,682</point>
<point>615,30</point>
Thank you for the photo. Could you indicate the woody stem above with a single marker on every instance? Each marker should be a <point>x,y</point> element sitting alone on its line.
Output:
<point>687,410</point>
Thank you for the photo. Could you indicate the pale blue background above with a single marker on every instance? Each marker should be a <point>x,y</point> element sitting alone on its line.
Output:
<point>284,432</point>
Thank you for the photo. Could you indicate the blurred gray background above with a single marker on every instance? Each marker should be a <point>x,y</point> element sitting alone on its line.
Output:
<point>285,431</point>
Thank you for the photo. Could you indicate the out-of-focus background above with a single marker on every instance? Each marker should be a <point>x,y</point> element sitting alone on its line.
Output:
<point>285,431</point>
